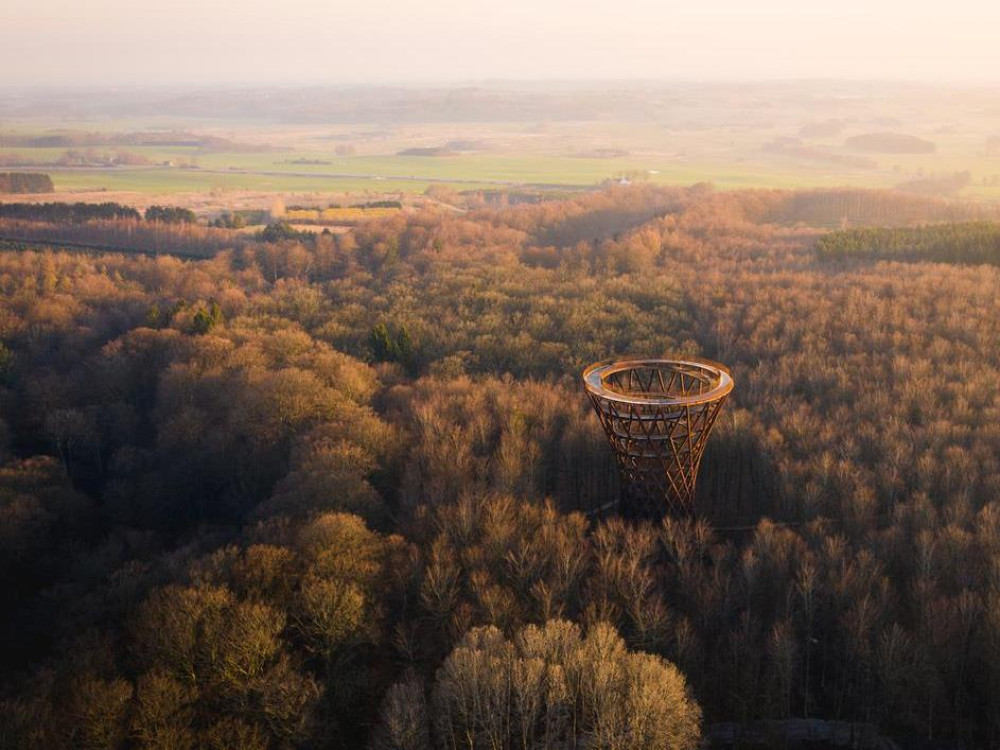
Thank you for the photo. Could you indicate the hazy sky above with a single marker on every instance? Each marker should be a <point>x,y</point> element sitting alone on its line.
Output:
<point>313,41</point>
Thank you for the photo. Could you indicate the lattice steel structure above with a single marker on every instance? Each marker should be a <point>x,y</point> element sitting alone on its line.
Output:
<point>658,414</point>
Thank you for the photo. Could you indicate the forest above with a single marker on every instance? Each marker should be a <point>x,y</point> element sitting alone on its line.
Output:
<point>968,243</point>
<point>346,490</point>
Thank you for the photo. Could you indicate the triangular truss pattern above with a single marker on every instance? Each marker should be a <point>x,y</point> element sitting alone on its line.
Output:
<point>657,415</point>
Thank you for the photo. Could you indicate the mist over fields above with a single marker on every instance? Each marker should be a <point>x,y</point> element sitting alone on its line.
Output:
<point>929,139</point>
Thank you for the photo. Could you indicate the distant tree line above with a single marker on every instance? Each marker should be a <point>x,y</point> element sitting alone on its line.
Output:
<point>25,182</point>
<point>968,242</point>
<point>239,219</point>
<point>367,204</point>
<point>170,215</point>
<point>166,138</point>
<point>890,143</point>
<point>79,213</point>
<point>125,235</point>
<point>377,204</point>
<point>278,231</point>
<point>852,207</point>
<point>73,157</point>
<point>67,213</point>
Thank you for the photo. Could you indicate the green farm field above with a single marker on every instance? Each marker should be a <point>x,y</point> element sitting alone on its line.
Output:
<point>415,174</point>
<point>272,172</point>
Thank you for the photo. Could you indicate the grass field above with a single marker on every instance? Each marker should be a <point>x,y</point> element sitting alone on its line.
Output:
<point>158,181</point>
<point>390,173</point>
<point>276,172</point>
<point>399,174</point>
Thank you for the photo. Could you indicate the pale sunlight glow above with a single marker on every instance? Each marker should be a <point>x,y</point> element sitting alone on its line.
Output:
<point>114,42</point>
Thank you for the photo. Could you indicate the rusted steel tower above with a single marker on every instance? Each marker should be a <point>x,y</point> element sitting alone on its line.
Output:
<point>657,414</point>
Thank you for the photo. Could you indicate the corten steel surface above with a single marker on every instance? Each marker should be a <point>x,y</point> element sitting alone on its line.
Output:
<point>657,414</point>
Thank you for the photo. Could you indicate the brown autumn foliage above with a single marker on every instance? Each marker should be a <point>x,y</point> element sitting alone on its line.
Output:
<point>229,519</point>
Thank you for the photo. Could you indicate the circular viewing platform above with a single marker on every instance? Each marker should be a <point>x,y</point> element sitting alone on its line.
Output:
<point>658,382</point>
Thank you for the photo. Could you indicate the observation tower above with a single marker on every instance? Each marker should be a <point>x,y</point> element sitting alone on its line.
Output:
<point>657,414</point>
